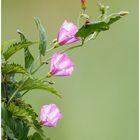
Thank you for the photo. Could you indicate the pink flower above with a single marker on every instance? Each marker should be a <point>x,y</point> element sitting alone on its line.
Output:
<point>49,115</point>
<point>66,33</point>
<point>61,65</point>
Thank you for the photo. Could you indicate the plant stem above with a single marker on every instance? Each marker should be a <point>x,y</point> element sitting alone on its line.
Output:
<point>5,88</point>
<point>50,49</point>
<point>17,90</point>
<point>24,93</point>
<point>93,36</point>
<point>46,62</point>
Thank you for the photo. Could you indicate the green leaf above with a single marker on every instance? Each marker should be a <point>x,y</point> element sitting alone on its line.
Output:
<point>13,68</point>
<point>26,113</point>
<point>7,123</point>
<point>98,26</point>
<point>22,113</point>
<point>21,130</point>
<point>7,43</point>
<point>29,59</point>
<point>42,36</point>
<point>115,17</point>
<point>16,47</point>
<point>35,136</point>
<point>89,29</point>
<point>31,84</point>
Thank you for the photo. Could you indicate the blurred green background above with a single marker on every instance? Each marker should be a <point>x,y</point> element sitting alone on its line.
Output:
<point>100,100</point>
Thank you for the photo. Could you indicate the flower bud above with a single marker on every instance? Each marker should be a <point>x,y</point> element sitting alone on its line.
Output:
<point>83,4</point>
<point>123,13</point>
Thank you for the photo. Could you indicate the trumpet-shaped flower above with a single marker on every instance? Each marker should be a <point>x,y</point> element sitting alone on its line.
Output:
<point>66,33</point>
<point>49,115</point>
<point>61,65</point>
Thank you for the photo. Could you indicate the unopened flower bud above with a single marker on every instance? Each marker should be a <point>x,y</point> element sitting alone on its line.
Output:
<point>123,13</point>
<point>83,4</point>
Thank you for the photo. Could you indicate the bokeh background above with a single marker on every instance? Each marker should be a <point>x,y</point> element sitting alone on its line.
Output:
<point>100,100</point>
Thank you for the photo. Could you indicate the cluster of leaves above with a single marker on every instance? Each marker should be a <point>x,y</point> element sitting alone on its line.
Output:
<point>17,116</point>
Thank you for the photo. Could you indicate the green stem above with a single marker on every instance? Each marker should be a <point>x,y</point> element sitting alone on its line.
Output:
<point>37,68</point>
<point>46,62</point>
<point>5,88</point>
<point>17,90</point>
<point>39,57</point>
<point>50,49</point>
<point>68,49</point>
<point>92,37</point>
<point>24,93</point>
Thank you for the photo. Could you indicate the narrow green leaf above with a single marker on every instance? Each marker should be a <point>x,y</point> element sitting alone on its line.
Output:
<point>29,59</point>
<point>42,36</point>
<point>115,17</point>
<point>31,84</point>
<point>12,69</point>
<point>89,29</point>
<point>16,47</point>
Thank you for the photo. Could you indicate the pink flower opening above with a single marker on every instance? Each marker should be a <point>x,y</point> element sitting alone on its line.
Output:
<point>66,33</point>
<point>50,115</point>
<point>61,65</point>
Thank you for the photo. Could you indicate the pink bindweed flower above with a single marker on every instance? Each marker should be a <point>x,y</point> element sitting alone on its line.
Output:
<point>61,65</point>
<point>66,34</point>
<point>49,115</point>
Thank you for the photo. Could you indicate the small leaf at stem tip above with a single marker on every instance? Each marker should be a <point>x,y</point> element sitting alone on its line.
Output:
<point>123,13</point>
